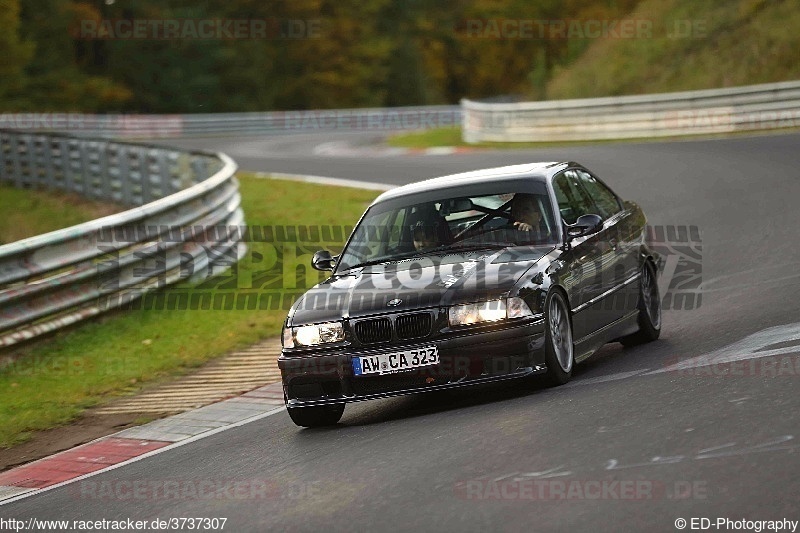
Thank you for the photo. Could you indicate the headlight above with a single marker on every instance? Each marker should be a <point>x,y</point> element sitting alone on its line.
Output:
<point>287,339</point>
<point>313,334</point>
<point>517,308</point>
<point>490,311</point>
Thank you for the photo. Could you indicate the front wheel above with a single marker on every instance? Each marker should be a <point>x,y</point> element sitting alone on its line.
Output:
<point>319,416</point>
<point>649,309</point>
<point>559,351</point>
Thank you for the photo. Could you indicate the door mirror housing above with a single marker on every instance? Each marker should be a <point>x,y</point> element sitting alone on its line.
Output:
<point>585,225</point>
<point>323,260</point>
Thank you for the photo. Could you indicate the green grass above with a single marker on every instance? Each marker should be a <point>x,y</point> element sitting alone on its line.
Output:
<point>693,45</point>
<point>50,382</point>
<point>25,213</point>
<point>428,138</point>
<point>452,137</point>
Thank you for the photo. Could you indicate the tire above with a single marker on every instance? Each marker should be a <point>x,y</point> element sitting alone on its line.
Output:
<point>313,417</point>
<point>559,352</point>
<point>649,306</point>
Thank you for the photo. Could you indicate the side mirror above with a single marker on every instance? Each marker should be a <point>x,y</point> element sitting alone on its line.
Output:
<point>323,260</point>
<point>585,225</point>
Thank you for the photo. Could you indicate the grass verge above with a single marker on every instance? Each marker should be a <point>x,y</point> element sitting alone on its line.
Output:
<point>452,137</point>
<point>436,137</point>
<point>49,383</point>
<point>26,213</point>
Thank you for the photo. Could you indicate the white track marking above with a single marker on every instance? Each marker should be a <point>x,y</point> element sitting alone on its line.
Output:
<point>339,182</point>
<point>751,347</point>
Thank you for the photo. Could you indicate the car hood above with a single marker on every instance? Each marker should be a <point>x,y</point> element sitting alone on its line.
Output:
<point>421,282</point>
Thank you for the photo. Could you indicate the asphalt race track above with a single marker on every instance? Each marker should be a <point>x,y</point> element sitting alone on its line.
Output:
<point>632,444</point>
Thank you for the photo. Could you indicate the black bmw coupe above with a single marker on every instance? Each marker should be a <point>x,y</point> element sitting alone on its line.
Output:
<point>476,277</point>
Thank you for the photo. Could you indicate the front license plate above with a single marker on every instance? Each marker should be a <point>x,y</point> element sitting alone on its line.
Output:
<point>389,363</point>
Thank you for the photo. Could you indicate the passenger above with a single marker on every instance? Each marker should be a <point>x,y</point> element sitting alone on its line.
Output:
<point>424,237</point>
<point>429,228</point>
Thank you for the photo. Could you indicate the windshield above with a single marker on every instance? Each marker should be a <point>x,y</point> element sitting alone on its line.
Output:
<point>398,231</point>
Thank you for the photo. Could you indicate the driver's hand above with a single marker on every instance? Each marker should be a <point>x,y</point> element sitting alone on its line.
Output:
<point>523,226</point>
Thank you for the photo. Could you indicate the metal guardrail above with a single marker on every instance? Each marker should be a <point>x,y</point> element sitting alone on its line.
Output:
<point>754,107</point>
<point>58,278</point>
<point>278,122</point>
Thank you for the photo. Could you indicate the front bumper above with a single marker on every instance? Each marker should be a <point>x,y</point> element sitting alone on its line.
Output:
<point>466,357</point>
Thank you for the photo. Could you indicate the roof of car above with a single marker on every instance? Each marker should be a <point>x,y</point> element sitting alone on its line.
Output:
<point>511,172</point>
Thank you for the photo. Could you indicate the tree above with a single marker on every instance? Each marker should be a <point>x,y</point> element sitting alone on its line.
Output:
<point>16,54</point>
<point>58,77</point>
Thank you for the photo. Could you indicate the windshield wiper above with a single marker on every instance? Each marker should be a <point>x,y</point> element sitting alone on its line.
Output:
<point>445,248</point>
<point>467,246</point>
<point>384,260</point>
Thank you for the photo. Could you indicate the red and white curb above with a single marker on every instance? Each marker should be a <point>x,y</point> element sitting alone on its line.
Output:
<point>344,149</point>
<point>134,444</point>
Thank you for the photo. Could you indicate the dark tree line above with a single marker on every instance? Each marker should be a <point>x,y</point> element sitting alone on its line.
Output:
<point>317,54</point>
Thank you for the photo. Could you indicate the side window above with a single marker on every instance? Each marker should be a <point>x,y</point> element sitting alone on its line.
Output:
<point>564,198</point>
<point>573,201</point>
<point>605,200</point>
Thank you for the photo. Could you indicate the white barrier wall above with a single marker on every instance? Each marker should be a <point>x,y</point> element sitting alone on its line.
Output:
<point>755,107</point>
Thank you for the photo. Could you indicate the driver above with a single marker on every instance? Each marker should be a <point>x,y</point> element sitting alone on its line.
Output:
<point>526,214</point>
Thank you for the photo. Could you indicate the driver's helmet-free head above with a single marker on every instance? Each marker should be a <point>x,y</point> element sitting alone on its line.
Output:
<point>524,208</point>
<point>424,236</point>
<point>428,227</point>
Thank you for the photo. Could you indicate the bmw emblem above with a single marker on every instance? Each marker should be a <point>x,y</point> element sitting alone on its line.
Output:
<point>394,303</point>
